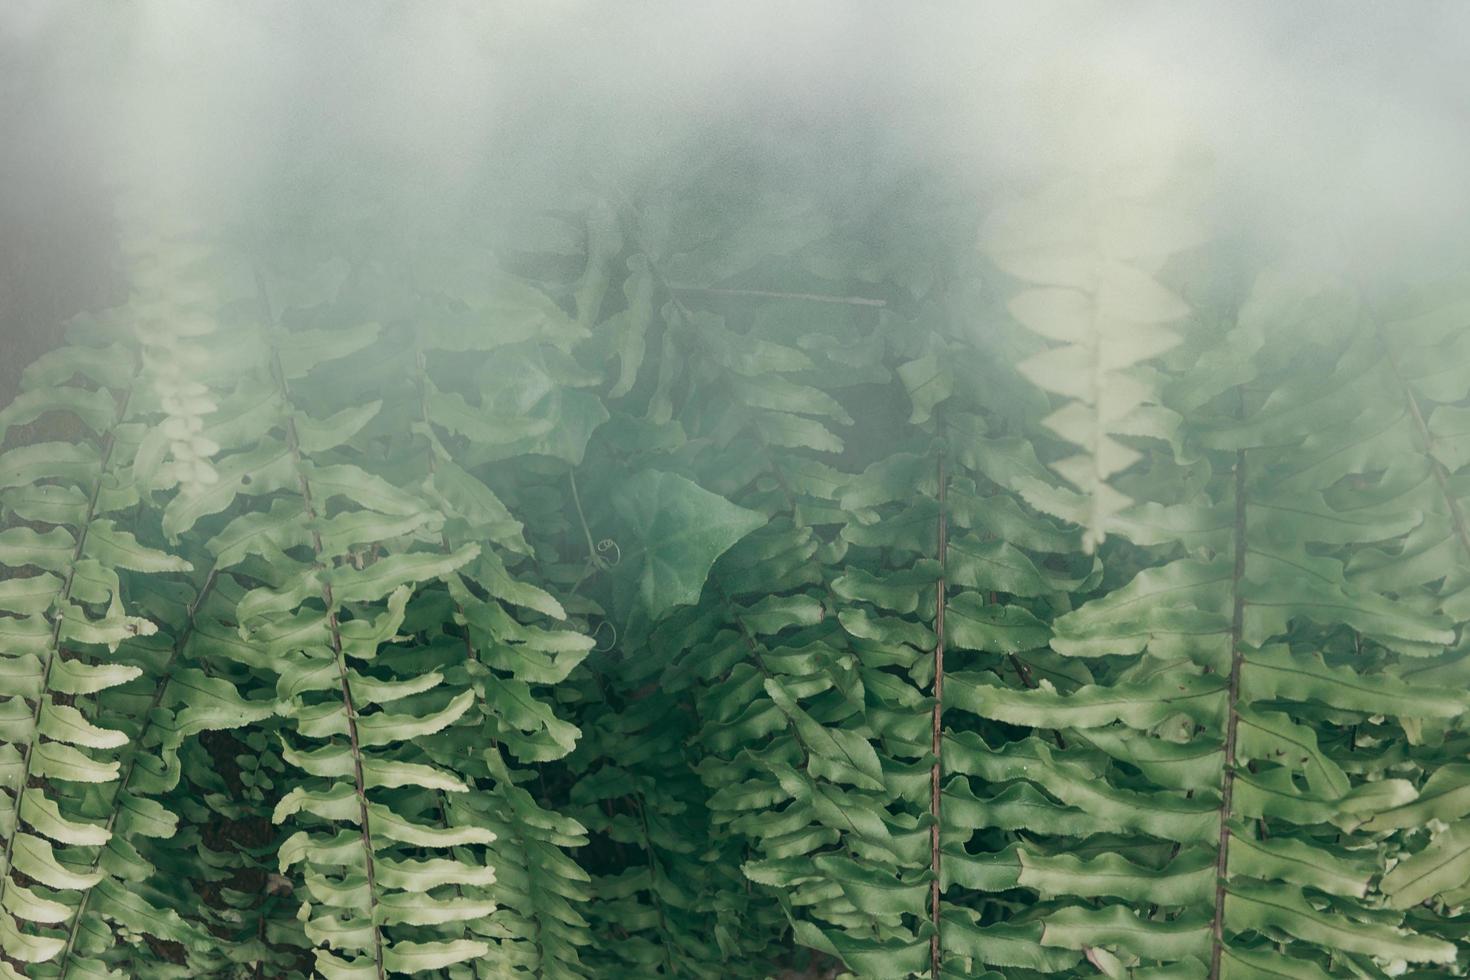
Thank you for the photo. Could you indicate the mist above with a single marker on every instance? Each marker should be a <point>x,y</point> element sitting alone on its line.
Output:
<point>1337,127</point>
<point>640,400</point>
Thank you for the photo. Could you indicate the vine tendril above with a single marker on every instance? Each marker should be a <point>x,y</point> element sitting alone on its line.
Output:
<point>612,640</point>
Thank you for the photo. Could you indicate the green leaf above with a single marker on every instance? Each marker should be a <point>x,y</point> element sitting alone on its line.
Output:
<point>1442,866</point>
<point>1260,908</point>
<point>409,957</point>
<point>117,548</point>
<point>929,382</point>
<point>675,531</point>
<point>835,753</point>
<point>972,623</point>
<point>1275,672</point>
<point>1444,796</point>
<point>1140,706</point>
<point>319,435</point>
<point>1120,928</point>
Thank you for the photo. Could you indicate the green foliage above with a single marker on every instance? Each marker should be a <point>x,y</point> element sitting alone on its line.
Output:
<point>718,580</point>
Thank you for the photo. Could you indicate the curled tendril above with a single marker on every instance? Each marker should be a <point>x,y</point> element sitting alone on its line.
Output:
<point>606,545</point>
<point>594,552</point>
<point>612,640</point>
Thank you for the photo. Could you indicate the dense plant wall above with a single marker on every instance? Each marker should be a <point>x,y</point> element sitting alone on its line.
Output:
<point>735,569</point>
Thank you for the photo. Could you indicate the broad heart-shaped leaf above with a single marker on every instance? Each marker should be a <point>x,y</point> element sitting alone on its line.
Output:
<point>670,532</point>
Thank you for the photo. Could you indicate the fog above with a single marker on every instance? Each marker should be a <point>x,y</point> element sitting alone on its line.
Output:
<point>1341,127</point>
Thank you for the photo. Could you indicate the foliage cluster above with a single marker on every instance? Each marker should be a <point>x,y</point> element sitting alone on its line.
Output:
<point>696,572</point>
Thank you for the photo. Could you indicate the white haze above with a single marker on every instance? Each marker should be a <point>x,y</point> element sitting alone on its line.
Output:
<point>1331,124</point>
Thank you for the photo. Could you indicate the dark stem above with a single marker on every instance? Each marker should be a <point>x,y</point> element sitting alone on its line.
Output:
<point>653,872</point>
<point>1022,671</point>
<point>293,443</point>
<point>421,379</point>
<point>53,650</point>
<point>1227,781</point>
<point>122,787</point>
<point>937,728</point>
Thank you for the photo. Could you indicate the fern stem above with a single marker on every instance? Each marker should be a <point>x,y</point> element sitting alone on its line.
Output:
<point>421,378</point>
<point>937,727</point>
<point>653,872</point>
<point>122,786</point>
<point>362,804</point>
<point>1227,779</point>
<point>53,649</point>
<point>293,443</point>
<point>347,705</point>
